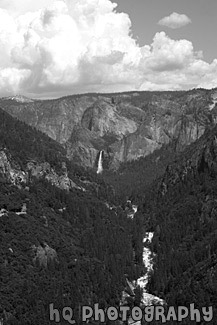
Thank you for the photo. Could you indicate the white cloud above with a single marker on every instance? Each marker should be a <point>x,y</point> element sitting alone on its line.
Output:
<point>209,77</point>
<point>85,45</point>
<point>17,7</point>
<point>175,20</point>
<point>168,55</point>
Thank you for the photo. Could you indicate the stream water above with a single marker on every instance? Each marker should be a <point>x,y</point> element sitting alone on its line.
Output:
<point>147,298</point>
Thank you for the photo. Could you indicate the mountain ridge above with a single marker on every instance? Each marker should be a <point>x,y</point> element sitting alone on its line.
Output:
<point>125,126</point>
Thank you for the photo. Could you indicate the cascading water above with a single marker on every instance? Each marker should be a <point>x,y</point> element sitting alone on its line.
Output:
<point>147,298</point>
<point>99,168</point>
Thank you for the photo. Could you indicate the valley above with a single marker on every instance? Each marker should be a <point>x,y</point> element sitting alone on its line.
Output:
<point>109,199</point>
<point>125,126</point>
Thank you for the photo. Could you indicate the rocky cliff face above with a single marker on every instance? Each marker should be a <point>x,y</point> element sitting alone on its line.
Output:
<point>198,158</point>
<point>11,171</point>
<point>125,126</point>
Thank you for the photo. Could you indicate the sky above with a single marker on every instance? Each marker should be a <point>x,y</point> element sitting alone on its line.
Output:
<point>53,48</point>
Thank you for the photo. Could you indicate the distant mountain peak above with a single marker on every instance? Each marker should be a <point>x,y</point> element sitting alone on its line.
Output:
<point>20,99</point>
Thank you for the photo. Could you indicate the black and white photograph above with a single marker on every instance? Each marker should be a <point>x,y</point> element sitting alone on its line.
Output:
<point>108,162</point>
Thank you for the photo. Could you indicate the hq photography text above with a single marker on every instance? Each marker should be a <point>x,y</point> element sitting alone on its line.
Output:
<point>137,314</point>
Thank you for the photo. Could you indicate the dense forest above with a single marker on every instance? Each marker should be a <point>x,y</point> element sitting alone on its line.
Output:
<point>67,247</point>
<point>176,194</point>
<point>181,208</point>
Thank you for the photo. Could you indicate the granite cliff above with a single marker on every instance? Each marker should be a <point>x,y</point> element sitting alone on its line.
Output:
<point>125,126</point>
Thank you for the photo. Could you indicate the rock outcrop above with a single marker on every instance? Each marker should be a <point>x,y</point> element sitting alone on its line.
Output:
<point>12,172</point>
<point>44,170</point>
<point>44,255</point>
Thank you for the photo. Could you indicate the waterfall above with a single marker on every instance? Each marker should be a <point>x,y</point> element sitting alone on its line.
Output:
<point>99,168</point>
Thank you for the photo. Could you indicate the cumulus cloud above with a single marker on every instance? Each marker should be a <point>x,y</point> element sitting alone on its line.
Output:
<point>80,46</point>
<point>175,20</point>
<point>168,55</point>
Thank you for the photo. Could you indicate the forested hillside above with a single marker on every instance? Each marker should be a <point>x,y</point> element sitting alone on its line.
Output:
<point>181,208</point>
<point>65,235</point>
<point>133,178</point>
<point>177,198</point>
<point>59,244</point>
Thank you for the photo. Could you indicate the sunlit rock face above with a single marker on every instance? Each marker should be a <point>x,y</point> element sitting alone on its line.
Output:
<point>125,126</point>
<point>103,119</point>
<point>11,171</point>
